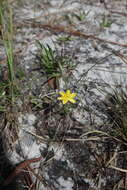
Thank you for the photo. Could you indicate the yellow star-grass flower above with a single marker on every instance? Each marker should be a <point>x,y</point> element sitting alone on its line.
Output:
<point>67,97</point>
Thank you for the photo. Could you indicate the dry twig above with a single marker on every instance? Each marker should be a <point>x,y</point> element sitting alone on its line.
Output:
<point>70,31</point>
<point>19,169</point>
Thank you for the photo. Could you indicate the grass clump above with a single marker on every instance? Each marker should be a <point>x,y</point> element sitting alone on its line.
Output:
<point>52,63</point>
<point>105,22</point>
<point>6,17</point>
<point>116,110</point>
<point>81,15</point>
<point>48,61</point>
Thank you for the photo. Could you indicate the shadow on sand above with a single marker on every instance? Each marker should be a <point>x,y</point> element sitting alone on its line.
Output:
<point>5,169</point>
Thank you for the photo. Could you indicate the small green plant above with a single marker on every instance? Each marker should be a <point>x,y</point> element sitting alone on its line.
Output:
<point>52,63</point>
<point>48,61</point>
<point>105,22</point>
<point>81,16</point>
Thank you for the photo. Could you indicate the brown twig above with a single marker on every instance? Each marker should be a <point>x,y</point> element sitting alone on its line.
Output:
<point>121,56</point>
<point>27,180</point>
<point>118,12</point>
<point>70,31</point>
<point>19,169</point>
<point>39,177</point>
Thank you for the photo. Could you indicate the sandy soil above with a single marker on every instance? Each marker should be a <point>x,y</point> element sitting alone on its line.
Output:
<point>79,146</point>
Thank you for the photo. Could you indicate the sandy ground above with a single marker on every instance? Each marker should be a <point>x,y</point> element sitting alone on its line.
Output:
<point>78,150</point>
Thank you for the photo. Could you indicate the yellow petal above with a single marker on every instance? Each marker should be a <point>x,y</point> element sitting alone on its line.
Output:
<point>73,95</point>
<point>72,101</point>
<point>59,98</point>
<point>65,101</point>
<point>68,92</point>
<point>62,93</point>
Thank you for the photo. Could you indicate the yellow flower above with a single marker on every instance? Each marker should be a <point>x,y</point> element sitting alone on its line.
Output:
<point>67,96</point>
